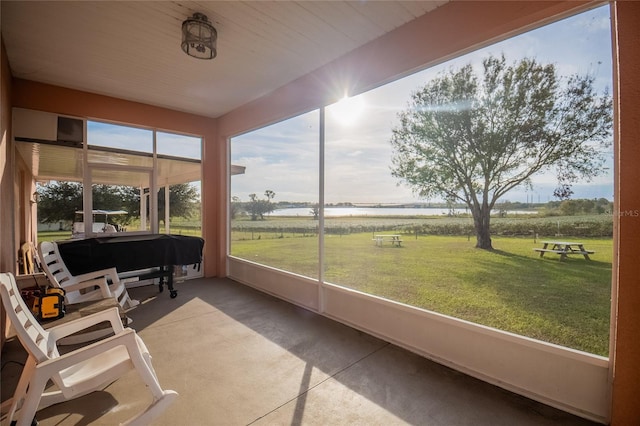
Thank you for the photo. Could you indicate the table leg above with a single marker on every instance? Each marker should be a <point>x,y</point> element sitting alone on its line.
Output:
<point>544,247</point>
<point>584,252</point>
<point>172,293</point>
<point>168,271</point>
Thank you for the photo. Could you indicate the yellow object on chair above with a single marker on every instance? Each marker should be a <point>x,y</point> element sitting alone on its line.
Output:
<point>50,305</point>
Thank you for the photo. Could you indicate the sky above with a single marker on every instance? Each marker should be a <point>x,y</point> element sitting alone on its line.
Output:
<point>284,157</point>
<point>136,139</point>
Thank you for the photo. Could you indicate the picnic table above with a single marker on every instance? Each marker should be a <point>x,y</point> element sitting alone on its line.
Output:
<point>564,248</point>
<point>395,240</point>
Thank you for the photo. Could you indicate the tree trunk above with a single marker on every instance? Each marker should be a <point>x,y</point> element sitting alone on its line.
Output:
<point>482,221</point>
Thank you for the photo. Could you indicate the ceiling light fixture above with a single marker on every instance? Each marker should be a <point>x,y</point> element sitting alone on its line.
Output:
<point>199,37</point>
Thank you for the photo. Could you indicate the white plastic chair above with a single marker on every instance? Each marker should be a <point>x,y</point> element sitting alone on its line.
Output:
<point>81,371</point>
<point>81,288</point>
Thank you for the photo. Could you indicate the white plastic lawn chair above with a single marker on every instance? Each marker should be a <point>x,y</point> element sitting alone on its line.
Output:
<point>81,371</point>
<point>81,288</point>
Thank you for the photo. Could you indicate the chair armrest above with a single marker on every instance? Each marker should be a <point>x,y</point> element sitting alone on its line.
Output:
<point>127,337</point>
<point>111,315</point>
<point>73,285</point>
<point>112,273</point>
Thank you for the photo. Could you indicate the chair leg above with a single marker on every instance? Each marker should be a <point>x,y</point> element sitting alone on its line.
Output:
<point>28,411</point>
<point>161,399</point>
<point>153,411</point>
<point>145,369</point>
<point>125,301</point>
<point>130,303</point>
<point>34,422</point>
<point>21,389</point>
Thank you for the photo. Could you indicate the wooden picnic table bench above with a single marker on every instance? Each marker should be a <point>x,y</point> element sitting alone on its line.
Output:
<point>395,240</point>
<point>564,248</point>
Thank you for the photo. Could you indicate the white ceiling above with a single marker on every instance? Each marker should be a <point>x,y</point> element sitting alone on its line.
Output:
<point>131,49</point>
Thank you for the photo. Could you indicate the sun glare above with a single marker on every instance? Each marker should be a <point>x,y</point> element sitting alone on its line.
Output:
<point>347,110</point>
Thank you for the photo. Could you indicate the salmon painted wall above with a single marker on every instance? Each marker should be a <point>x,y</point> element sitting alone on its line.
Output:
<point>626,383</point>
<point>7,256</point>
<point>43,97</point>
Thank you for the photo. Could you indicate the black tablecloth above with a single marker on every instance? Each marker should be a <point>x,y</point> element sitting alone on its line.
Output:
<point>130,252</point>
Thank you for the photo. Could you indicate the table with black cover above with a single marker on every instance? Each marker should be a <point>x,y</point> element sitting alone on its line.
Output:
<point>133,253</point>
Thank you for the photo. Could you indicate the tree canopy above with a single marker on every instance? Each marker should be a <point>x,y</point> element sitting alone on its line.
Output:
<point>473,138</point>
<point>59,201</point>
<point>257,208</point>
<point>182,201</point>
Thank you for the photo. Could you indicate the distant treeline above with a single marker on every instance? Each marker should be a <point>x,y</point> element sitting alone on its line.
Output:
<point>551,208</point>
<point>563,208</point>
<point>570,226</point>
<point>524,225</point>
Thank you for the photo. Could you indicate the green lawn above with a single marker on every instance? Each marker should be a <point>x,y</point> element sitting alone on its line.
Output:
<point>53,235</point>
<point>179,229</point>
<point>512,288</point>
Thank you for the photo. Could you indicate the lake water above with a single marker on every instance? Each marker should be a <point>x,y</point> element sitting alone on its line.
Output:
<point>376,211</point>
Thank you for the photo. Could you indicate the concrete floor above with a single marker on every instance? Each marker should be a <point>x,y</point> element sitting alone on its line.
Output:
<point>239,357</point>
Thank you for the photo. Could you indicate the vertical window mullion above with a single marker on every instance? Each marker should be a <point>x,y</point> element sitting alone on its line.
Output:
<point>321,133</point>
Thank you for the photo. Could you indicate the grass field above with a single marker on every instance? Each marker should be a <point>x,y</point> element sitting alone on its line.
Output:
<point>511,288</point>
<point>65,235</point>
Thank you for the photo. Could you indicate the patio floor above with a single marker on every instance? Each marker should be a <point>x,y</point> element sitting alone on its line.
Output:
<point>238,356</point>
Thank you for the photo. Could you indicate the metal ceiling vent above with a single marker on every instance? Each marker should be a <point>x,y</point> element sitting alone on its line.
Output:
<point>199,37</point>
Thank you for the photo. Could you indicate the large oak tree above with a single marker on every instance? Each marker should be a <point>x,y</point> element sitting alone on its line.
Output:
<point>472,138</point>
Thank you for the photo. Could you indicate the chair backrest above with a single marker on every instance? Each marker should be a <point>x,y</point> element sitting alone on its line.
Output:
<point>109,228</point>
<point>26,255</point>
<point>33,337</point>
<point>52,263</point>
<point>30,262</point>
